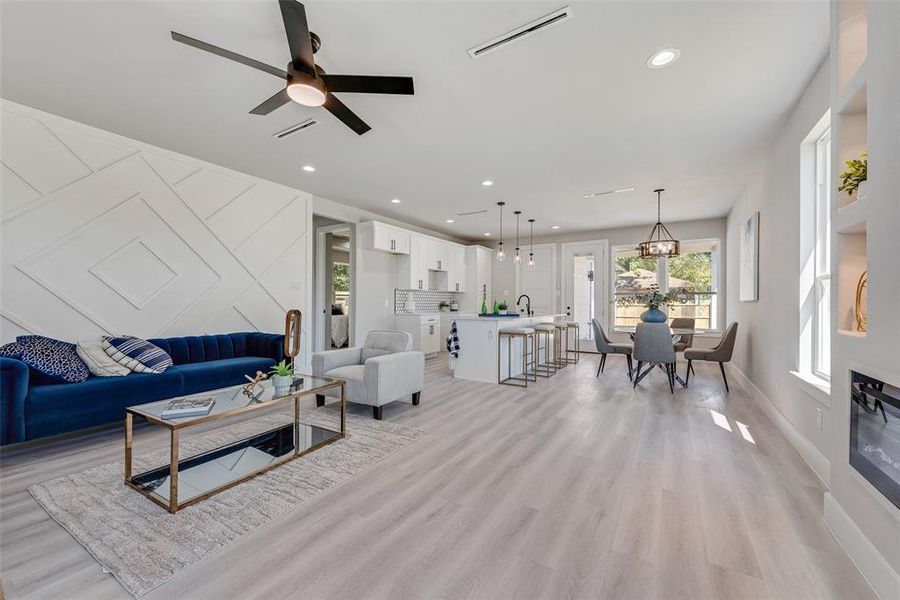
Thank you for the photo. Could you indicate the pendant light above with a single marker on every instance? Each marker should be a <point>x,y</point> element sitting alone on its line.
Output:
<point>517,258</point>
<point>663,244</point>
<point>500,253</point>
<point>531,249</point>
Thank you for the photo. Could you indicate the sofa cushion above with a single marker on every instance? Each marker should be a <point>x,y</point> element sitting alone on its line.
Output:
<point>214,374</point>
<point>52,409</point>
<point>51,361</point>
<point>98,361</point>
<point>379,343</point>
<point>138,355</point>
<point>355,378</point>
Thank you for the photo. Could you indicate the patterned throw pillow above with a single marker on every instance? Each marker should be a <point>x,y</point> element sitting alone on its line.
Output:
<point>51,361</point>
<point>11,350</point>
<point>138,355</point>
<point>98,361</point>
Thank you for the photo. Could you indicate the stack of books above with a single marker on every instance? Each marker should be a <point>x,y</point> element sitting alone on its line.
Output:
<point>188,407</point>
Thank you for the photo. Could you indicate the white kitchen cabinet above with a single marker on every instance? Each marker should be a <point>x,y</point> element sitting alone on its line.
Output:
<point>479,264</point>
<point>456,274</point>
<point>384,238</point>
<point>438,255</point>
<point>413,270</point>
<point>430,337</point>
<point>424,329</point>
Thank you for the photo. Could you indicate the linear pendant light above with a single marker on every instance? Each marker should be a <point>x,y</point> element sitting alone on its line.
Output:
<point>531,249</point>
<point>500,254</point>
<point>517,258</point>
<point>662,245</point>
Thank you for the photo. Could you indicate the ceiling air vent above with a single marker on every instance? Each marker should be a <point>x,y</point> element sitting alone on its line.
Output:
<point>297,128</point>
<point>520,33</point>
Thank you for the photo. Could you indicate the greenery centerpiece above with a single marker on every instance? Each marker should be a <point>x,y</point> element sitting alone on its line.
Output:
<point>652,299</point>
<point>502,307</point>
<point>282,374</point>
<point>854,178</point>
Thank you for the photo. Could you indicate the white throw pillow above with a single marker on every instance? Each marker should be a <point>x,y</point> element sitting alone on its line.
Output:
<point>98,361</point>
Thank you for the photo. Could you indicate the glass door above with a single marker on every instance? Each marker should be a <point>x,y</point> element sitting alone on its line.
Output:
<point>585,287</point>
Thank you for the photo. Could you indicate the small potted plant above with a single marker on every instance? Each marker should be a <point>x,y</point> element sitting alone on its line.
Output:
<point>444,306</point>
<point>502,308</point>
<point>652,299</point>
<point>853,180</point>
<point>282,374</point>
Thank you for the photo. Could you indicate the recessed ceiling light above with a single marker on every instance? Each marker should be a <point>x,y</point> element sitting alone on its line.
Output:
<point>449,221</point>
<point>309,168</point>
<point>663,58</point>
<point>486,234</point>
<point>487,183</point>
<point>395,201</point>
<point>555,227</point>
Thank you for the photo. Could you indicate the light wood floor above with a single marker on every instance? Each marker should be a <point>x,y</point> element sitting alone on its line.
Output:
<point>576,488</point>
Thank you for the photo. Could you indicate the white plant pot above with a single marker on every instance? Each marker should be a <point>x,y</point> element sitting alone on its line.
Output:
<point>282,381</point>
<point>501,311</point>
<point>862,190</point>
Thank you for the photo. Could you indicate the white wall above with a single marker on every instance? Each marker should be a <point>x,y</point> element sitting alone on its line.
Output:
<point>102,234</point>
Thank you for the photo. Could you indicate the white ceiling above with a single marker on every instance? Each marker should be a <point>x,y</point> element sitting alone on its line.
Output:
<point>568,111</point>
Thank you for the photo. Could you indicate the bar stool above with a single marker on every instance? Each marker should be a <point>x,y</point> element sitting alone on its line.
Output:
<point>570,326</point>
<point>562,331</point>
<point>546,333</point>
<point>523,333</point>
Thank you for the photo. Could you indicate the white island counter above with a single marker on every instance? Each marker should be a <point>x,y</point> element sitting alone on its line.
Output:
<point>478,341</point>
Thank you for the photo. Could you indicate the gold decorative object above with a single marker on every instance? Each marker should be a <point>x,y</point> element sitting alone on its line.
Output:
<point>248,389</point>
<point>861,317</point>
<point>292,323</point>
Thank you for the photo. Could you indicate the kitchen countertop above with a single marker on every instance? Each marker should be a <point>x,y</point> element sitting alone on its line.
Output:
<point>521,317</point>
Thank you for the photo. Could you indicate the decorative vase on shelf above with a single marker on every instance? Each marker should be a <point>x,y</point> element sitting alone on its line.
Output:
<point>282,381</point>
<point>653,315</point>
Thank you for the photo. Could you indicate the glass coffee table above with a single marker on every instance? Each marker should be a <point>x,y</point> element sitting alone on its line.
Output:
<point>185,481</point>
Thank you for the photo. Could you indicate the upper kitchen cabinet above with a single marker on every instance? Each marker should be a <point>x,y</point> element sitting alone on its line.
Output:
<point>384,238</point>
<point>438,255</point>
<point>456,274</point>
<point>413,270</point>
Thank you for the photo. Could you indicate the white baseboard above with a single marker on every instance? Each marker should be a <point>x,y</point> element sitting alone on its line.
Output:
<point>811,455</point>
<point>874,568</point>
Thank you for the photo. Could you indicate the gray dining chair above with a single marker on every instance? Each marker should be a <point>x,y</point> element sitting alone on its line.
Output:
<point>606,346</point>
<point>653,346</point>
<point>721,353</point>
<point>687,340</point>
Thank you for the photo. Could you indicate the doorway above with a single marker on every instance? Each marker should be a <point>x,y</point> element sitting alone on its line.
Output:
<point>335,301</point>
<point>585,289</point>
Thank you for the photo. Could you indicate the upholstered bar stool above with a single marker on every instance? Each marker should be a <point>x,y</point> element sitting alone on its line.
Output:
<point>525,334</point>
<point>562,333</point>
<point>545,335</point>
<point>571,354</point>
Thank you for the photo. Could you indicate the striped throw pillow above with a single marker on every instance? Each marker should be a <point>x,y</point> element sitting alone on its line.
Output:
<point>138,355</point>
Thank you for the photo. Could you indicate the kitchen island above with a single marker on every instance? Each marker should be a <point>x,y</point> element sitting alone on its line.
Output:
<point>478,340</point>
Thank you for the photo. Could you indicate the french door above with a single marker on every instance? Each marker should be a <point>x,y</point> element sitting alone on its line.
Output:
<point>585,287</point>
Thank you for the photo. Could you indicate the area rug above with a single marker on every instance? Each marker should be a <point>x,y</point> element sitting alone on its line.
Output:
<point>143,546</point>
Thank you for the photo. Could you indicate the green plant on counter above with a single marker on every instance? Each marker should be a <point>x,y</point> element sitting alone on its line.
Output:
<point>282,369</point>
<point>855,174</point>
<point>502,306</point>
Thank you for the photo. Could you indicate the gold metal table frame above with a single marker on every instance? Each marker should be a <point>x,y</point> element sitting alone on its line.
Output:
<point>176,425</point>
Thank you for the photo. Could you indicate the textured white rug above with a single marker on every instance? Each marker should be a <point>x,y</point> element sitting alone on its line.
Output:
<point>143,546</point>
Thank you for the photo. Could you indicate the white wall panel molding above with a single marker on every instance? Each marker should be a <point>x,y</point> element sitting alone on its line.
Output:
<point>103,234</point>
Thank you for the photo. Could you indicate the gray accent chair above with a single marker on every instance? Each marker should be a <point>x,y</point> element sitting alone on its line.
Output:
<point>720,354</point>
<point>606,346</point>
<point>653,345</point>
<point>381,371</point>
<point>686,341</point>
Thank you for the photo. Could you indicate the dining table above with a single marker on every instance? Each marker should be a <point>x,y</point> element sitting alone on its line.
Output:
<point>677,333</point>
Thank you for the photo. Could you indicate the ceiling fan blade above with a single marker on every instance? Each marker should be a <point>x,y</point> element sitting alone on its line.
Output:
<point>229,55</point>
<point>295,26</point>
<point>276,101</point>
<point>369,84</point>
<point>347,116</point>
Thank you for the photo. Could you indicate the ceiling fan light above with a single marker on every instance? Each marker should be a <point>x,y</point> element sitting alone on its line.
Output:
<point>308,93</point>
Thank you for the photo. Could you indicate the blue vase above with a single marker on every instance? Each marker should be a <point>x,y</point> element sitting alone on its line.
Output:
<point>653,315</point>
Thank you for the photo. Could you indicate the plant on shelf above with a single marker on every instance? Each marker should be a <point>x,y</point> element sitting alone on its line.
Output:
<point>501,308</point>
<point>652,299</point>
<point>854,177</point>
<point>282,374</point>
<point>444,306</point>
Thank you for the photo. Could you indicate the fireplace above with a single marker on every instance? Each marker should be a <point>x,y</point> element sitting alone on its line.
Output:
<point>875,433</point>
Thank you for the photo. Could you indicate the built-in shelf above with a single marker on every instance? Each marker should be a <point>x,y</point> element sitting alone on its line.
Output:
<point>851,218</point>
<point>852,262</point>
<point>852,97</point>
<point>852,38</point>
<point>851,333</point>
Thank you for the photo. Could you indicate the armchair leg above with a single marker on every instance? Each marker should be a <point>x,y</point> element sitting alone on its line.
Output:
<point>415,398</point>
<point>687,373</point>
<point>637,373</point>
<point>603,363</point>
<point>376,413</point>
<point>725,379</point>
<point>600,365</point>
<point>669,377</point>
<point>630,369</point>
<point>320,400</point>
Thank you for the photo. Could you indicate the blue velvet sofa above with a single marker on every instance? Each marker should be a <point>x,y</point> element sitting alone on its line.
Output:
<point>201,363</point>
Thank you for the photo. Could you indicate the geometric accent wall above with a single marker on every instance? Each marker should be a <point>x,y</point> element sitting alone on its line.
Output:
<point>101,234</point>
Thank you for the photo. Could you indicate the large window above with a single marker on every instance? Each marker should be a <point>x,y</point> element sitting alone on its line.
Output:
<point>821,351</point>
<point>694,272</point>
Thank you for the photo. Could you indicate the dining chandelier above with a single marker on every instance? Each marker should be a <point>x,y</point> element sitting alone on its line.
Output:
<point>660,242</point>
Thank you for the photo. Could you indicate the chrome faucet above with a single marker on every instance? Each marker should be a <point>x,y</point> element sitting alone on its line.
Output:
<point>527,304</point>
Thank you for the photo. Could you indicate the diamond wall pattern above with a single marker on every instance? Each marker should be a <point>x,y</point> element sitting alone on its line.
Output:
<point>106,235</point>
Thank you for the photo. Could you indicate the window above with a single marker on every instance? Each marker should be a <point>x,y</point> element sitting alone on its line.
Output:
<point>694,271</point>
<point>821,351</point>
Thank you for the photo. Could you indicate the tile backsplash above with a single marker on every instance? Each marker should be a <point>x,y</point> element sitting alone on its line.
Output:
<point>426,301</point>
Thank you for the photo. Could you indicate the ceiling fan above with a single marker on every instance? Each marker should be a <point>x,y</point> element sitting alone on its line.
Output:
<point>307,83</point>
